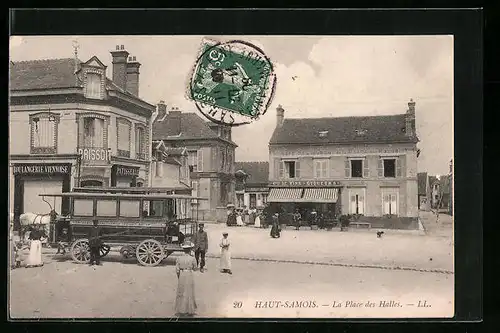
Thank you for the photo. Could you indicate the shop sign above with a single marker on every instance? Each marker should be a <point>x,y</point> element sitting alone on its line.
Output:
<point>123,170</point>
<point>95,154</point>
<point>42,169</point>
<point>257,189</point>
<point>305,183</point>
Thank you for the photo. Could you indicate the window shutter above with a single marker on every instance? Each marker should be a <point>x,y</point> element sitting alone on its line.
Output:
<point>380,167</point>
<point>403,166</point>
<point>297,169</point>
<point>200,160</point>
<point>361,204</point>
<point>398,167</point>
<point>281,170</point>
<point>347,168</point>
<point>366,170</point>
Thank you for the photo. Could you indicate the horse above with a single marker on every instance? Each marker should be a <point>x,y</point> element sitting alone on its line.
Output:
<point>29,219</point>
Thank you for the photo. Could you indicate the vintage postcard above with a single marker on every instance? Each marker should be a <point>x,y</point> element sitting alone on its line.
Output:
<point>231,177</point>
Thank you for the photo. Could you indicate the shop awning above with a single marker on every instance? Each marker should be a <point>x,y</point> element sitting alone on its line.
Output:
<point>284,195</point>
<point>325,195</point>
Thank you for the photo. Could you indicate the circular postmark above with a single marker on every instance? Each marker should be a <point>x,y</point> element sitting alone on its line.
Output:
<point>232,83</point>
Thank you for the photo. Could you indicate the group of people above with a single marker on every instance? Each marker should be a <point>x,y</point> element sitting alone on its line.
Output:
<point>187,264</point>
<point>238,217</point>
<point>35,233</point>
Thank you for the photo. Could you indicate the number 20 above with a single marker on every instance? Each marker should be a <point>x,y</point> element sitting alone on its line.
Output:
<point>237,305</point>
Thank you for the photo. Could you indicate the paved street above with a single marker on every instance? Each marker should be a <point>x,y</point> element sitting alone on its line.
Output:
<point>125,289</point>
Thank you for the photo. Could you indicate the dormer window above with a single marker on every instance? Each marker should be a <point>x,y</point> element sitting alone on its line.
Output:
<point>93,86</point>
<point>323,134</point>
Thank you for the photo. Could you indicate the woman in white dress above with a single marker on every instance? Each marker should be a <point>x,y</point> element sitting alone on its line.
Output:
<point>257,219</point>
<point>225,255</point>
<point>239,220</point>
<point>35,256</point>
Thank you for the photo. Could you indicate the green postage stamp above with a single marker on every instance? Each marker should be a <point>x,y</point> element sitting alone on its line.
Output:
<point>232,82</point>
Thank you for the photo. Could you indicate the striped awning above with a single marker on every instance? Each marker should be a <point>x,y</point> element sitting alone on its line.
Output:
<point>320,195</point>
<point>284,195</point>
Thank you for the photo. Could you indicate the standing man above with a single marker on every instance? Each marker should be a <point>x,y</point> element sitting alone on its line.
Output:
<point>95,244</point>
<point>200,246</point>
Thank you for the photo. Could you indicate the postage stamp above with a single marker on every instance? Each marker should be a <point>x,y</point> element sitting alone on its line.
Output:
<point>231,82</point>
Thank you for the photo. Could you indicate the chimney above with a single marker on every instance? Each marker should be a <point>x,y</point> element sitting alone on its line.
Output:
<point>174,118</point>
<point>410,129</point>
<point>162,111</point>
<point>133,76</point>
<point>280,116</point>
<point>120,66</point>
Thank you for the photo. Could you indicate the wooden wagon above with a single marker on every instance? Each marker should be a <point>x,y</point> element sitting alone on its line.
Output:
<point>150,226</point>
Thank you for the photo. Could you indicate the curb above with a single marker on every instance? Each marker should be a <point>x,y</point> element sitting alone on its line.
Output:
<point>439,271</point>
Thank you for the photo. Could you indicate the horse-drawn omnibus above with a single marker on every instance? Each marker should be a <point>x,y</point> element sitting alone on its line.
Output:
<point>150,226</point>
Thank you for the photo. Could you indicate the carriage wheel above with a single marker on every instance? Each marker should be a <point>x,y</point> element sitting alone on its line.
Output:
<point>104,250</point>
<point>80,251</point>
<point>149,252</point>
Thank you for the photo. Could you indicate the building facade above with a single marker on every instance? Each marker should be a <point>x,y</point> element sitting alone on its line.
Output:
<point>210,157</point>
<point>170,169</point>
<point>252,185</point>
<point>349,165</point>
<point>71,126</point>
<point>424,192</point>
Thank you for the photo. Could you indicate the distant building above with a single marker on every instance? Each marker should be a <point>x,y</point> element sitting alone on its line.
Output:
<point>252,185</point>
<point>71,126</point>
<point>170,169</point>
<point>424,191</point>
<point>347,165</point>
<point>442,195</point>
<point>210,156</point>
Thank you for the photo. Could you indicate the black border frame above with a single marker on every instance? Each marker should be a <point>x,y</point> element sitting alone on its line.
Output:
<point>465,25</point>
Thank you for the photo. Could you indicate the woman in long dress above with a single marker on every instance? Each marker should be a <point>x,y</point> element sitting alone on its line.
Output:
<point>257,220</point>
<point>225,255</point>
<point>35,256</point>
<point>239,221</point>
<point>185,265</point>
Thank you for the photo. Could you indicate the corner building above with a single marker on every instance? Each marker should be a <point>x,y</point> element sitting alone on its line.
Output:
<point>71,126</point>
<point>347,165</point>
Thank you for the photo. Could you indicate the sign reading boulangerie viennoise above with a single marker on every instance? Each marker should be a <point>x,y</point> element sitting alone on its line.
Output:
<point>42,169</point>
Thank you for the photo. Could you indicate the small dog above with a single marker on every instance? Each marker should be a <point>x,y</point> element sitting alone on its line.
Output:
<point>379,234</point>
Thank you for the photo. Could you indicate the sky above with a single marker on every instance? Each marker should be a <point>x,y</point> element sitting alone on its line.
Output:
<point>335,76</point>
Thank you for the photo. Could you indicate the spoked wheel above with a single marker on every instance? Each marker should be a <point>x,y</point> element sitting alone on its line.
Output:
<point>104,250</point>
<point>80,251</point>
<point>149,252</point>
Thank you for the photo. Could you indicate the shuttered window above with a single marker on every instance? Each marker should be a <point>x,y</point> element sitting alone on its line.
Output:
<point>93,132</point>
<point>43,132</point>
<point>320,168</point>
<point>124,138</point>
<point>93,86</point>
<point>366,169</point>
<point>390,202</point>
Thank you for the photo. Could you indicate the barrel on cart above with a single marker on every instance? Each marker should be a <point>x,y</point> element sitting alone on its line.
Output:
<point>150,226</point>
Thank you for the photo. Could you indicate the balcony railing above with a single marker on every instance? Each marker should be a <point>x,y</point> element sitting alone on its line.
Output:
<point>124,153</point>
<point>140,156</point>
